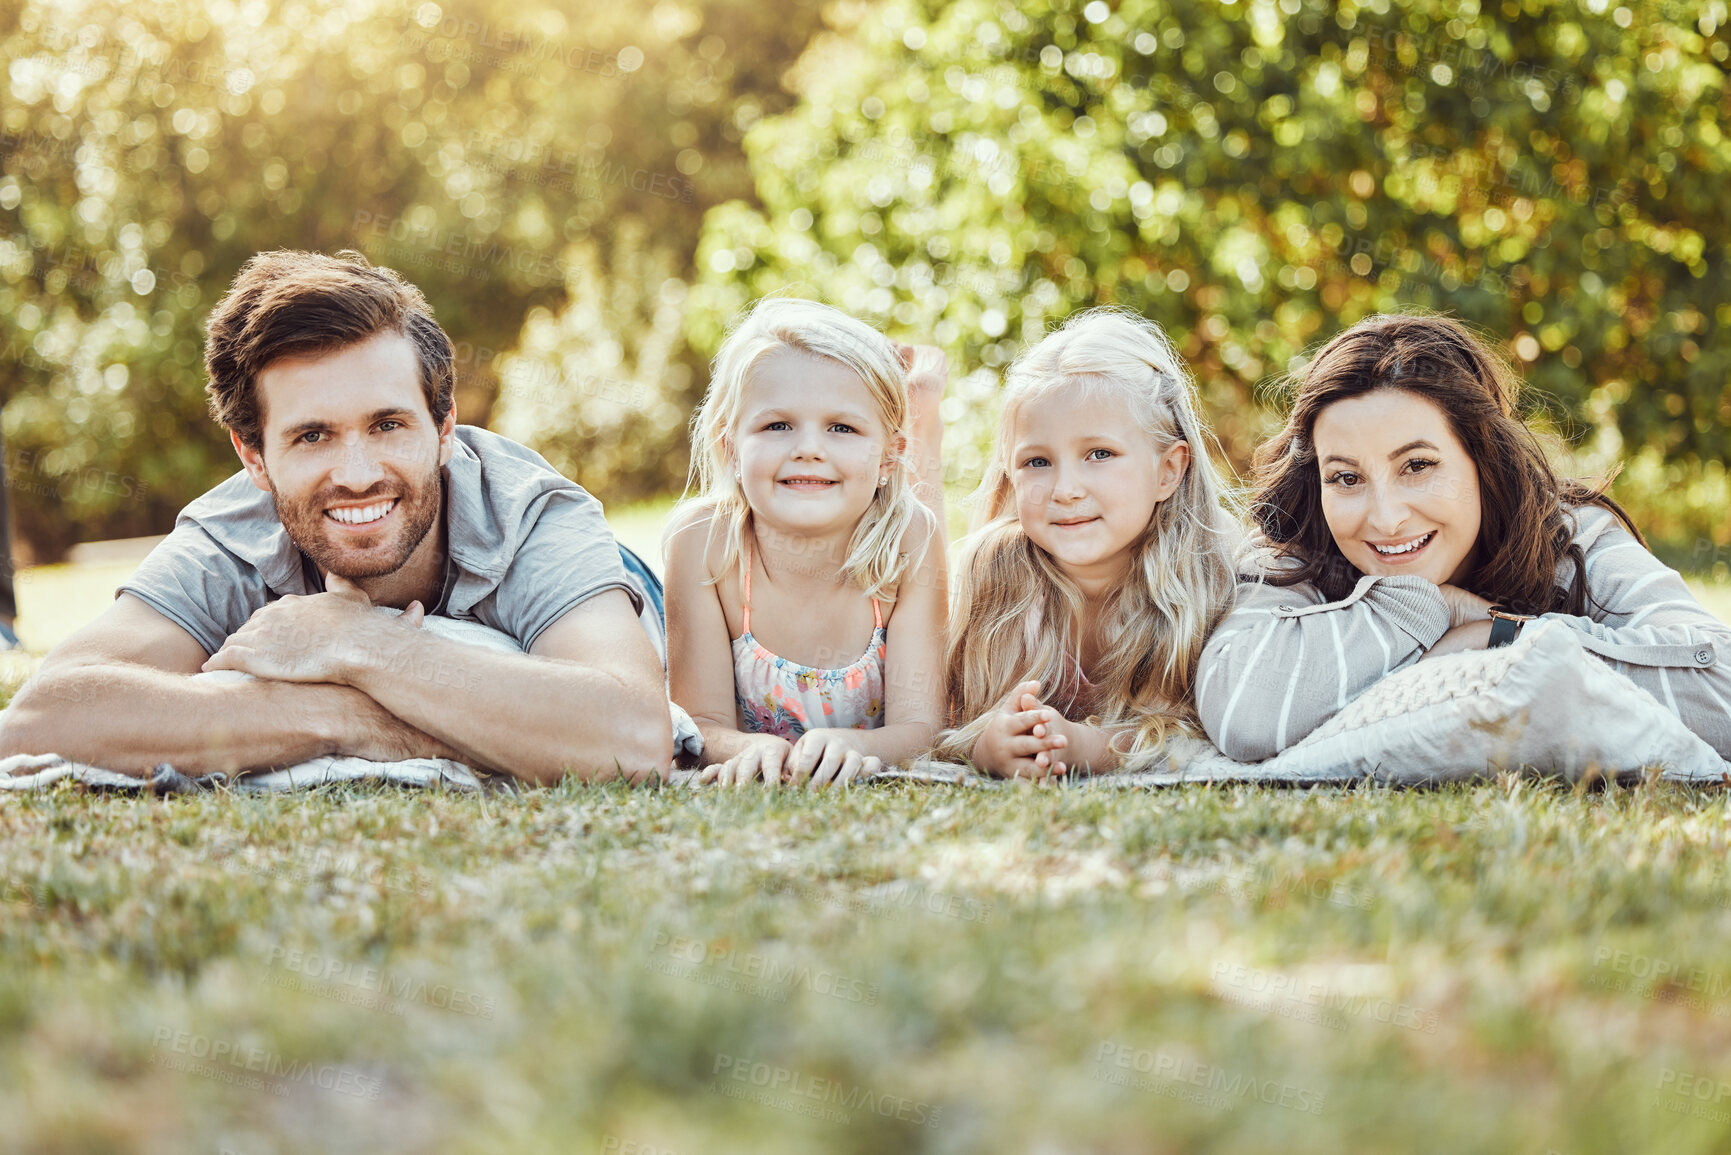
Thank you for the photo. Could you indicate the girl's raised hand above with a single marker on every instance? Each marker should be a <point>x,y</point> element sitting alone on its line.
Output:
<point>764,757</point>
<point>928,375</point>
<point>829,757</point>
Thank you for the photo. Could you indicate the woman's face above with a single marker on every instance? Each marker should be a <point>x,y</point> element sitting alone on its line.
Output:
<point>1399,491</point>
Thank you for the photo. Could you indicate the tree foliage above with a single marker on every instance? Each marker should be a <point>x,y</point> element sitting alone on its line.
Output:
<point>1258,175</point>
<point>537,175</point>
<point>1254,175</point>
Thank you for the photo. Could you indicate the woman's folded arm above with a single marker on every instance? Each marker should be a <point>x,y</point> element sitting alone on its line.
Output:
<point>1285,660</point>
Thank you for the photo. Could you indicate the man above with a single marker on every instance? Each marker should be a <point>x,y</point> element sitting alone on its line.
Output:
<point>359,491</point>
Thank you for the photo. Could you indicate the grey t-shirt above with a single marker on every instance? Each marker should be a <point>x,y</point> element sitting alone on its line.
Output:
<point>525,545</point>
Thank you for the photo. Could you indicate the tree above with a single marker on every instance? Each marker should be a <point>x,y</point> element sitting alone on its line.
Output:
<point>1256,176</point>
<point>496,154</point>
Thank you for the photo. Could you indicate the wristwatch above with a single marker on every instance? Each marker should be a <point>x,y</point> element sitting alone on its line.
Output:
<point>1506,625</point>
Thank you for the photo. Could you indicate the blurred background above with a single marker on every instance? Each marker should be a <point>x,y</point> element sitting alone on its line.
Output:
<point>588,192</point>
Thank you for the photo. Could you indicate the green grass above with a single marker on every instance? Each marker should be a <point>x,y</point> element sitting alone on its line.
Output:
<point>1449,955</point>
<point>577,969</point>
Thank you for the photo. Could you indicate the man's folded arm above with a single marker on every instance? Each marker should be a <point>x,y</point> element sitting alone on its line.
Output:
<point>588,699</point>
<point>120,694</point>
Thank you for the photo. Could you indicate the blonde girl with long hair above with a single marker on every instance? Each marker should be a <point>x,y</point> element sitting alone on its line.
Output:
<point>805,581</point>
<point>1099,562</point>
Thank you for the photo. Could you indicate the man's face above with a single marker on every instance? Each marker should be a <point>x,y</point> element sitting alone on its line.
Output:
<point>351,455</point>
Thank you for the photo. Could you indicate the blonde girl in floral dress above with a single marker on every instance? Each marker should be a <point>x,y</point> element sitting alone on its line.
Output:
<point>805,581</point>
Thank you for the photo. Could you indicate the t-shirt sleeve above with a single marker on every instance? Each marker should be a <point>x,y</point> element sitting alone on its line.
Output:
<point>568,557</point>
<point>198,585</point>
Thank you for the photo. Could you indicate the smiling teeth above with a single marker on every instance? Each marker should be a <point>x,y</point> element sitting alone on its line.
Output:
<point>362,514</point>
<point>1396,550</point>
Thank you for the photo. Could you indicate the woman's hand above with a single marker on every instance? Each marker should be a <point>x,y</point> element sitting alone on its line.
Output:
<point>830,757</point>
<point>1469,623</point>
<point>764,756</point>
<point>1471,636</point>
<point>1023,737</point>
<point>1465,606</point>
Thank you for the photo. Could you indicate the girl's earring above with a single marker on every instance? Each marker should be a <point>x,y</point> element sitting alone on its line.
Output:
<point>883,481</point>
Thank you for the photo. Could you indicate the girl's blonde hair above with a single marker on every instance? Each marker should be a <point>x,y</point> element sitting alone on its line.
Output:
<point>1016,614</point>
<point>874,560</point>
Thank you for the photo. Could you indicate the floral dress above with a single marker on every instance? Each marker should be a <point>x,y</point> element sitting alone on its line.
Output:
<point>776,696</point>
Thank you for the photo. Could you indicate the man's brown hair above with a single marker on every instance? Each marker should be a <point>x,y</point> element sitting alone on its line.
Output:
<point>293,304</point>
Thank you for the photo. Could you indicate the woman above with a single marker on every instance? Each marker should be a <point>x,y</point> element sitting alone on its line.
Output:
<point>1407,512</point>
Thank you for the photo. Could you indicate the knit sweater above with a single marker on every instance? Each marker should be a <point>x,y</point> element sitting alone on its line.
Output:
<point>1286,659</point>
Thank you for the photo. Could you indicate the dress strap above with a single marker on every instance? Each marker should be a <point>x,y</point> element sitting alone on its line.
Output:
<point>877,616</point>
<point>745,598</point>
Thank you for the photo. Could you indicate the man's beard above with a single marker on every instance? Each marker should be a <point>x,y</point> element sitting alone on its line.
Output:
<point>418,503</point>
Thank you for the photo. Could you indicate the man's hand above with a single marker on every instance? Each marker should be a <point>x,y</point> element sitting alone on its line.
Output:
<point>1023,738</point>
<point>763,757</point>
<point>823,757</point>
<point>314,637</point>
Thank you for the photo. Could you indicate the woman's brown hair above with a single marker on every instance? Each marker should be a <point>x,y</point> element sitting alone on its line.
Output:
<point>1526,528</point>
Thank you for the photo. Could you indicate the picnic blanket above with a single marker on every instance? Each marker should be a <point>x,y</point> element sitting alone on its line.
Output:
<point>1543,704</point>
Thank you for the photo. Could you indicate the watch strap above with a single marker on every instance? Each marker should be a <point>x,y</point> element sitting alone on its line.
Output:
<point>1504,631</point>
<point>1505,627</point>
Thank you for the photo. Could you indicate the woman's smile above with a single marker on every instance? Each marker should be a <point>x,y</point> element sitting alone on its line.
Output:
<point>1399,552</point>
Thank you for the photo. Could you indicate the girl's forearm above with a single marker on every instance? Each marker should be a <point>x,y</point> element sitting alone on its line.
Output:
<point>895,744</point>
<point>721,740</point>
